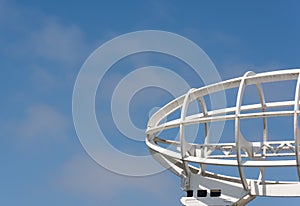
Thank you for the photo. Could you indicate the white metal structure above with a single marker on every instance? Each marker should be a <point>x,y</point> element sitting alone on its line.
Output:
<point>190,160</point>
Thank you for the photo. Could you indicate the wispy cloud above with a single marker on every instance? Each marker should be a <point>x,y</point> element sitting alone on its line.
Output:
<point>32,36</point>
<point>41,122</point>
<point>83,176</point>
<point>59,43</point>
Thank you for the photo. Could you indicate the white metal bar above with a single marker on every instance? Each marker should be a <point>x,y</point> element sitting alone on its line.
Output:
<point>296,129</point>
<point>238,136</point>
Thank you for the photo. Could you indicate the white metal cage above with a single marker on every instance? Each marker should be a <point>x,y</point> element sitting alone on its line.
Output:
<point>189,159</point>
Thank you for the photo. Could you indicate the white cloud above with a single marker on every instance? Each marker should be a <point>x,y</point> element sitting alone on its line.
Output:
<point>59,43</point>
<point>42,122</point>
<point>37,36</point>
<point>83,176</point>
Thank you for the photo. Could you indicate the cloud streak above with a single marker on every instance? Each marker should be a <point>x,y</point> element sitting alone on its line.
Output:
<point>83,176</point>
<point>41,123</point>
<point>58,43</point>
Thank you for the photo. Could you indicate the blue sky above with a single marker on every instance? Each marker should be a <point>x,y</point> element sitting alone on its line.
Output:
<point>44,44</point>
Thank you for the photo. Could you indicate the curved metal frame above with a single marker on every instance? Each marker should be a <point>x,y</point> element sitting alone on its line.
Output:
<point>256,154</point>
<point>296,129</point>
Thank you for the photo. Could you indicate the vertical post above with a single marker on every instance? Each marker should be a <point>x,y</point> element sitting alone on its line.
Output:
<point>183,144</point>
<point>296,130</point>
<point>206,129</point>
<point>238,136</point>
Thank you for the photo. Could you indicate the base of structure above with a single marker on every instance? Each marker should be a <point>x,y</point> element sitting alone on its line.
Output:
<point>211,191</point>
<point>210,201</point>
<point>218,191</point>
<point>192,201</point>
